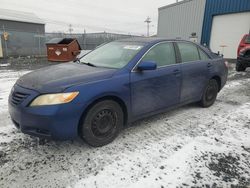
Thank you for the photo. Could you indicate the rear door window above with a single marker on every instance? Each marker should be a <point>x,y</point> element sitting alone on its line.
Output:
<point>188,51</point>
<point>203,55</point>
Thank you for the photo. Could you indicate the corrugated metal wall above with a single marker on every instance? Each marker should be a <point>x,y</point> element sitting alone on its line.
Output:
<point>22,26</point>
<point>218,7</point>
<point>181,19</point>
<point>25,39</point>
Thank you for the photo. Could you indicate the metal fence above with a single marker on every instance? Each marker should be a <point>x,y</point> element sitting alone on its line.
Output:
<point>20,43</point>
<point>89,41</point>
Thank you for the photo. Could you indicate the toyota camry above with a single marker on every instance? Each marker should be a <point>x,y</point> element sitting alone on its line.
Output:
<point>96,96</point>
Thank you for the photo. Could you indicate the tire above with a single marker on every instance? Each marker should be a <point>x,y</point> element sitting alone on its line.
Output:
<point>102,123</point>
<point>240,67</point>
<point>210,94</point>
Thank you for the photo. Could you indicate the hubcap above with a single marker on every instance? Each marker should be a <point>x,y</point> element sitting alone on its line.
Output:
<point>211,92</point>
<point>104,123</point>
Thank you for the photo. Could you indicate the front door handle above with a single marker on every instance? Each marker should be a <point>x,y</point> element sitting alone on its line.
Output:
<point>177,72</point>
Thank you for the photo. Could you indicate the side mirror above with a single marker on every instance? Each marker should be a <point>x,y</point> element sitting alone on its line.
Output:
<point>75,53</point>
<point>146,65</point>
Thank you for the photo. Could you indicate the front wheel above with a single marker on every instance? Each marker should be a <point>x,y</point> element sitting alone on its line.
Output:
<point>102,123</point>
<point>210,94</point>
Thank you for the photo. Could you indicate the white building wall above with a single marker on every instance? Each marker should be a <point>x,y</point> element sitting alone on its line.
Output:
<point>227,31</point>
<point>181,19</point>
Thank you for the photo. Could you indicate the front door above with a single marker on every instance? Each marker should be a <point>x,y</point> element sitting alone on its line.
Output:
<point>156,89</point>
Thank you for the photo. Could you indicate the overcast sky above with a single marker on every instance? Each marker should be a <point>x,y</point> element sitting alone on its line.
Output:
<point>120,16</point>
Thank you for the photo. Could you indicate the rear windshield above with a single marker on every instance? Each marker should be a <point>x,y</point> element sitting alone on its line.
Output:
<point>247,40</point>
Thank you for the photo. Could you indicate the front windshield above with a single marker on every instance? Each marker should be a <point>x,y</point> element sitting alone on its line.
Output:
<point>112,55</point>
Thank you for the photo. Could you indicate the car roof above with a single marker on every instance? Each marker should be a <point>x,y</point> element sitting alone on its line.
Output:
<point>154,40</point>
<point>148,39</point>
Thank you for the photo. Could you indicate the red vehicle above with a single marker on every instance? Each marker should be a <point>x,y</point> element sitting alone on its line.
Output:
<point>243,56</point>
<point>245,42</point>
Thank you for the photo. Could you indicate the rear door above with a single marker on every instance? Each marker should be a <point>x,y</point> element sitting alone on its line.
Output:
<point>195,67</point>
<point>156,89</point>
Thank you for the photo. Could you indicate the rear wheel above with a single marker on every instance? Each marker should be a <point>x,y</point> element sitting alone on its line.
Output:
<point>240,67</point>
<point>210,94</point>
<point>102,123</point>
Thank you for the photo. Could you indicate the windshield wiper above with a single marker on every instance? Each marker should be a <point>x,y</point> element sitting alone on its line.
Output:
<point>89,64</point>
<point>77,60</point>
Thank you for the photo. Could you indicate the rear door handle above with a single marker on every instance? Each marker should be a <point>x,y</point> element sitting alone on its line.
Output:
<point>209,65</point>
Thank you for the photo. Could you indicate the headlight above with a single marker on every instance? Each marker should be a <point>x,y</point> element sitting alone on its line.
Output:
<point>51,99</point>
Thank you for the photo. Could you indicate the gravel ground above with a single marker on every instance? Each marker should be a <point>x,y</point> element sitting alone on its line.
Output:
<point>186,147</point>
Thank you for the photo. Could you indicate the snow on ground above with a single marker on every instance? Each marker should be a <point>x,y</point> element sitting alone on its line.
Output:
<point>188,146</point>
<point>8,78</point>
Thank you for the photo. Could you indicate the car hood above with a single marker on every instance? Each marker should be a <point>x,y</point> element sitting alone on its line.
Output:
<point>59,77</point>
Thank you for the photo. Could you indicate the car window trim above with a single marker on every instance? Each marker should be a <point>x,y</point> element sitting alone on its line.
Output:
<point>200,49</point>
<point>176,62</point>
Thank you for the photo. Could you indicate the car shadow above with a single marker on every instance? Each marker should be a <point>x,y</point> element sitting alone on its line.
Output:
<point>163,115</point>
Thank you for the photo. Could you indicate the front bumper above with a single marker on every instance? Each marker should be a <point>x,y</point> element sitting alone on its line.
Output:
<point>243,61</point>
<point>59,122</point>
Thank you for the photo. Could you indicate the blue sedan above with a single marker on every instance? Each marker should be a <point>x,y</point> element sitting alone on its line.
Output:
<point>113,85</point>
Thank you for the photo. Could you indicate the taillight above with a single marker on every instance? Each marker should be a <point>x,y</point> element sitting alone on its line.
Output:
<point>226,64</point>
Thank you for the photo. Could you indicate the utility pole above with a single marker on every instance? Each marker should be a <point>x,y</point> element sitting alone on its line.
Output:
<point>84,40</point>
<point>148,21</point>
<point>70,29</point>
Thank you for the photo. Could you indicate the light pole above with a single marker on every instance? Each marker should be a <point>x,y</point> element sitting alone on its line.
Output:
<point>148,21</point>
